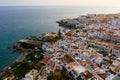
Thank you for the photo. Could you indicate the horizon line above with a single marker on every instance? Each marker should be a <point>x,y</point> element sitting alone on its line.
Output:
<point>58,5</point>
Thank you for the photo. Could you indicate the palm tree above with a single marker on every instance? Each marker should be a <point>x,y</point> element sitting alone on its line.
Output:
<point>59,33</point>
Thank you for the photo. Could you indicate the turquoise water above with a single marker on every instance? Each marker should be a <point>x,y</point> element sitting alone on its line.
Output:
<point>19,22</point>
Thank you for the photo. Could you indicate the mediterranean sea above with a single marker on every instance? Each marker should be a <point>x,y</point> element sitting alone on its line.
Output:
<point>20,22</point>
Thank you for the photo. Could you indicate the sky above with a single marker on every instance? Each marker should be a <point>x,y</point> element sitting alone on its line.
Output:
<point>60,2</point>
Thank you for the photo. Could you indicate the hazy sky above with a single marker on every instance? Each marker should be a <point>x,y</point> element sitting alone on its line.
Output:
<point>60,2</point>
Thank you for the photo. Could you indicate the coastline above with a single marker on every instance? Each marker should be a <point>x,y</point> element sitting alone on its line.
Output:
<point>27,31</point>
<point>72,42</point>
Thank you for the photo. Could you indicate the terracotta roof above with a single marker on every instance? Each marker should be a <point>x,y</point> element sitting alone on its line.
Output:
<point>116,47</point>
<point>45,60</point>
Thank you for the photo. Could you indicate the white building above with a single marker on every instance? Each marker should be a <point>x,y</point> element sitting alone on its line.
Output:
<point>31,75</point>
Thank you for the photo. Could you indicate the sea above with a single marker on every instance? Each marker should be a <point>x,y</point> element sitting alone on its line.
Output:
<point>19,22</point>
